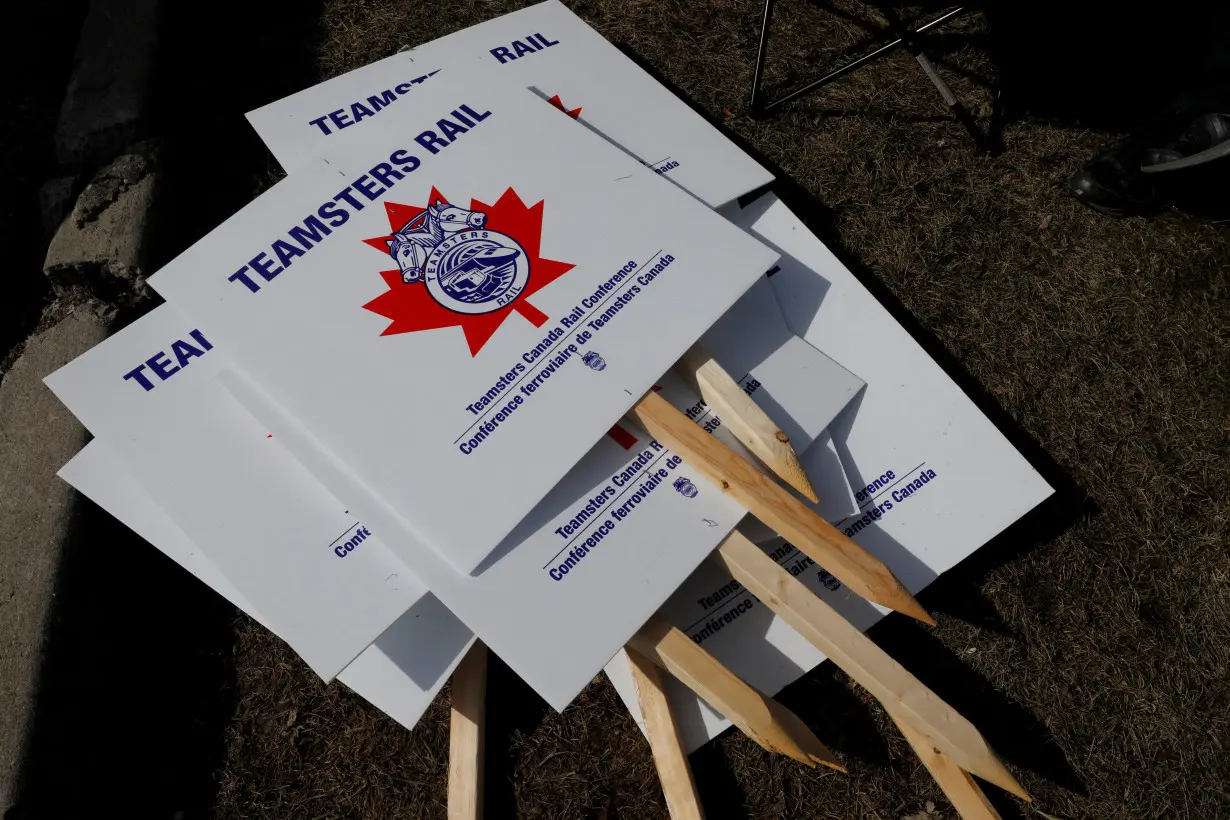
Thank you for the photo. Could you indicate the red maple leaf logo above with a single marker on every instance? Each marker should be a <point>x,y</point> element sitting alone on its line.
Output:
<point>575,113</point>
<point>411,308</point>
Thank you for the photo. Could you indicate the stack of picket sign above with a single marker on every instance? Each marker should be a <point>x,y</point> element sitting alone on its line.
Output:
<point>453,378</point>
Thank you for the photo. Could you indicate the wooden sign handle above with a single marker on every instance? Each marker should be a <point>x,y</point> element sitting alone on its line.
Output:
<point>669,756</point>
<point>467,731</point>
<point>906,697</point>
<point>956,783</point>
<point>854,566</point>
<point>761,718</point>
<point>749,423</point>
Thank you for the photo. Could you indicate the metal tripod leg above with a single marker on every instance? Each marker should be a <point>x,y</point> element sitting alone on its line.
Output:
<point>959,111</point>
<point>902,37</point>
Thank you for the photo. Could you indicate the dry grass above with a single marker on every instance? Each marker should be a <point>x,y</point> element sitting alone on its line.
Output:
<point>1090,645</point>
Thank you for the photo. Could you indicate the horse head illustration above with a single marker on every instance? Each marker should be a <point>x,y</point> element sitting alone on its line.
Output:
<point>413,242</point>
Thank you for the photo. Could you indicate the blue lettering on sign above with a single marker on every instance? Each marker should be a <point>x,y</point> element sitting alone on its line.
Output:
<point>316,226</point>
<point>924,477</point>
<point>358,534</point>
<point>160,363</point>
<point>360,109</point>
<point>870,490</point>
<point>522,48</point>
<point>340,119</point>
<point>881,495</point>
<point>449,129</point>
<point>333,121</point>
<point>582,549</point>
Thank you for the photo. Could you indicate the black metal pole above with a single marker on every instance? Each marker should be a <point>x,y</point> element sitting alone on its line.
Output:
<point>845,69</point>
<point>913,44</point>
<point>754,102</point>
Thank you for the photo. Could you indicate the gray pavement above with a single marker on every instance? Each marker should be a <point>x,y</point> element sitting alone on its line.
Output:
<point>37,435</point>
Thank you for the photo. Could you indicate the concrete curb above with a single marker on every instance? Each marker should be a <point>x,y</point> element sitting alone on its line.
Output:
<point>37,435</point>
<point>107,104</point>
<point>101,232</point>
<point>102,244</point>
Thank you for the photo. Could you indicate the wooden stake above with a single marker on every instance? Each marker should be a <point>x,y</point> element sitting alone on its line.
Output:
<point>745,419</point>
<point>669,756</point>
<point>466,736</point>
<point>815,537</point>
<point>957,784</point>
<point>870,666</point>
<point>761,718</point>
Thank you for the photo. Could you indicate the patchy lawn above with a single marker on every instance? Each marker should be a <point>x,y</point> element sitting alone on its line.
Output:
<point>1090,644</point>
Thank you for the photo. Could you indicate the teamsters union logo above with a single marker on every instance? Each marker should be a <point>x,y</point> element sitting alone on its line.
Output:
<point>685,487</point>
<point>467,267</point>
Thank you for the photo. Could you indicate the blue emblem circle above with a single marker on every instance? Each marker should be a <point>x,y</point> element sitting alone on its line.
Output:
<point>476,271</point>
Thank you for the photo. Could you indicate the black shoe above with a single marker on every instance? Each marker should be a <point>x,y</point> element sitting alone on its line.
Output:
<point>1112,182</point>
<point>1205,139</point>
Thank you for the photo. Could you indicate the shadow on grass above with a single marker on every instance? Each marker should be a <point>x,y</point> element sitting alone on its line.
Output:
<point>1019,736</point>
<point>721,796</point>
<point>1091,65</point>
<point>955,593</point>
<point>1016,733</point>
<point>822,699</point>
<point>881,26</point>
<point>513,709</point>
<point>1083,64</point>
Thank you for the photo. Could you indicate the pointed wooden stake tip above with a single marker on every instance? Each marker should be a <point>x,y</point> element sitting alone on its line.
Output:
<point>749,423</point>
<point>669,755</point>
<point>790,469</point>
<point>988,766</point>
<point>916,611</point>
<point>1004,779</point>
<point>772,726</point>
<point>966,797</point>
<point>906,698</point>
<point>809,750</point>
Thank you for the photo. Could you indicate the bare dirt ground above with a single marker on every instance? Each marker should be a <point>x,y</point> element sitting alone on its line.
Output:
<point>1090,644</point>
